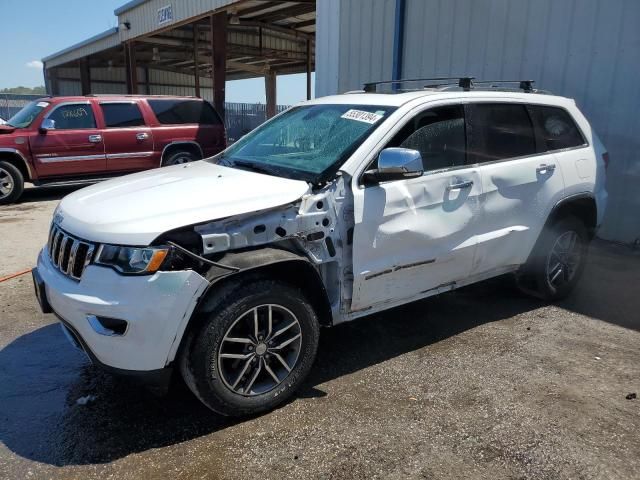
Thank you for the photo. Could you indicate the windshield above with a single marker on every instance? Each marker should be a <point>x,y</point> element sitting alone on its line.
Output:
<point>27,115</point>
<point>308,142</point>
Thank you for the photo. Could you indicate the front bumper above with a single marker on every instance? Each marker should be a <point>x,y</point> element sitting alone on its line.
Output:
<point>156,308</point>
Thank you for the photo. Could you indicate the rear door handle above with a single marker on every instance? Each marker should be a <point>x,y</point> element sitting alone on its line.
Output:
<point>460,185</point>
<point>543,169</point>
<point>142,136</point>
<point>95,138</point>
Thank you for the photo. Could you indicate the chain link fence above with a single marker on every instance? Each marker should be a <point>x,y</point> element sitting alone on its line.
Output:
<point>241,118</point>
<point>11,103</point>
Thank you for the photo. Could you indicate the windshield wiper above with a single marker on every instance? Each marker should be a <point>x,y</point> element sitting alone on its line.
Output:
<point>252,166</point>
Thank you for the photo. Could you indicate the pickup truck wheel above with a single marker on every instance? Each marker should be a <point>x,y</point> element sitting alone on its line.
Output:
<point>11,183</point>
<point>254,350</point>
<point>559,259</point>
<point>178,158</point>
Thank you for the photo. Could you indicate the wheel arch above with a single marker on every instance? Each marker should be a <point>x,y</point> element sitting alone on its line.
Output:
<point>17,159</point>
<point>582,206</point>
<point>271,263</point>
<point>182,145</point>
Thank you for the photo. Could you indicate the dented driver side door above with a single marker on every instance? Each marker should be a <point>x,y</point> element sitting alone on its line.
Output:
<point>417,236</point>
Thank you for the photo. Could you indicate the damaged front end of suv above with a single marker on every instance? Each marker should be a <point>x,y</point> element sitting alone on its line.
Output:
<point>225,268</point>
<point>302,242</point>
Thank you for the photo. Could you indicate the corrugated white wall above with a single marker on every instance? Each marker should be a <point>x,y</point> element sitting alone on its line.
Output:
<point>97,44</point>
<point>585,49</point>
<point>162,82</point>
<point>354,41</point>
<point>144,17</point>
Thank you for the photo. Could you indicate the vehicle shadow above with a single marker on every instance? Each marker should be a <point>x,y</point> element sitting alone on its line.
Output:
<point>42,194</point>
<point>43,378</point>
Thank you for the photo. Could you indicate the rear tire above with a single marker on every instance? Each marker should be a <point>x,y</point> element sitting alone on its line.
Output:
<point>237,368</point>
<point>178,158</point>
<point>11,183</point>
<point>557,262</point>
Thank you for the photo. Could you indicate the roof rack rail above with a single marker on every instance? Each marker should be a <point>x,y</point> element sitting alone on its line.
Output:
<point>133,95</point>
<point>526,85</point>
<point>463,82</point>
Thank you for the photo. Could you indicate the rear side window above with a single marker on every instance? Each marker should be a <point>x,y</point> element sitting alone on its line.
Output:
<point>73,117</point>
<point>178,112</point>
<point>121,115</point>
<point>499,131</point>
<point>556,129</point>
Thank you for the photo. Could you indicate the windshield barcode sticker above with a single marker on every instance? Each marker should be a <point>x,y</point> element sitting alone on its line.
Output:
<point>362,116</point>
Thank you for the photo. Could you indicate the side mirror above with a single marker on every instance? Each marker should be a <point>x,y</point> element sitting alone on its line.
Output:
<point>395,164</point>
<point>47,124</point>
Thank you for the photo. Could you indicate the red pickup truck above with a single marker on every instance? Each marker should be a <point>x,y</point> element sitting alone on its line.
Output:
<point>70,140</point>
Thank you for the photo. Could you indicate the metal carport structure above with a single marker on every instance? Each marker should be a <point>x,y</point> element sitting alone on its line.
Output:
<point>190,48</point>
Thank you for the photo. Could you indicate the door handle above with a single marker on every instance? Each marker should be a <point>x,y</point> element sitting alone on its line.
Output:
<point>95,138</point>
<point>142,136</point>
<point>460,185</point>
<point>544,169</point>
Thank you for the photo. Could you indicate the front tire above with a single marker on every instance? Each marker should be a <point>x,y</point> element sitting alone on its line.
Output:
<point>253,350</point>
<point>11,183</point>
<point>558,260</point>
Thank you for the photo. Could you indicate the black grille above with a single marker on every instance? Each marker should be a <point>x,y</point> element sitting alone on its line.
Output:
<point>69,254</point>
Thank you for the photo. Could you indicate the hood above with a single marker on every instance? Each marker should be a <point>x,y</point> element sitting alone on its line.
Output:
<point>5,129</point>
<point>136,209</point>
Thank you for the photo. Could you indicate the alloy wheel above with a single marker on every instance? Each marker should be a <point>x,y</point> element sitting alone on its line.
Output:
<point>260,349</point>
<point>6,183</point>
<point>564,259</point>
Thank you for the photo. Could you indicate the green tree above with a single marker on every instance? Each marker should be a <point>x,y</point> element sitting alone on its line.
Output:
<point>24,90</point>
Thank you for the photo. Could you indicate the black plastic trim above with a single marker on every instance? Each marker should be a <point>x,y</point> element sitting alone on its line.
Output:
<point>572,198</point>
<point>157,380</point>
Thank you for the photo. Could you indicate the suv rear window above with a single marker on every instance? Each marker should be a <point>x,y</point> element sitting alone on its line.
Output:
<point>121,115</point>
<point>499,131</point>
<point>177,112</point>
<point>556,128</point>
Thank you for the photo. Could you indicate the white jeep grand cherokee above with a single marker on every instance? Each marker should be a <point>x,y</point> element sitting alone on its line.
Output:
<point>225,268</point>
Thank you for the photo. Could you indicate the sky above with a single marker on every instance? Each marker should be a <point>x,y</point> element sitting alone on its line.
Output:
<point>33,29</point>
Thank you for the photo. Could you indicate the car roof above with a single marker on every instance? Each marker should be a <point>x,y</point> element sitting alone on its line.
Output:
<point>84,98</point>
<point>399,99</point>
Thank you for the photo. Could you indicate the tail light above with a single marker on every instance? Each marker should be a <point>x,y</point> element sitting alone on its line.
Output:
<point>605,159</point>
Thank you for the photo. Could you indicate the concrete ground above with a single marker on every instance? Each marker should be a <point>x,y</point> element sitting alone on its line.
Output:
<point>478,383</point>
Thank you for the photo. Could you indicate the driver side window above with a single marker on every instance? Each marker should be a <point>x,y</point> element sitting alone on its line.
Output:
<point>438,134</point>
<point>73,117</point>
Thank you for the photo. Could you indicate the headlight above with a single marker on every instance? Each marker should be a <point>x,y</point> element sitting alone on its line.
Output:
<point>132,260</point>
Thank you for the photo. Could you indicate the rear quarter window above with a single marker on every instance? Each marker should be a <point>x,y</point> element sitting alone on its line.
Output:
<point>180,112</point>
<point>556,129</point>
